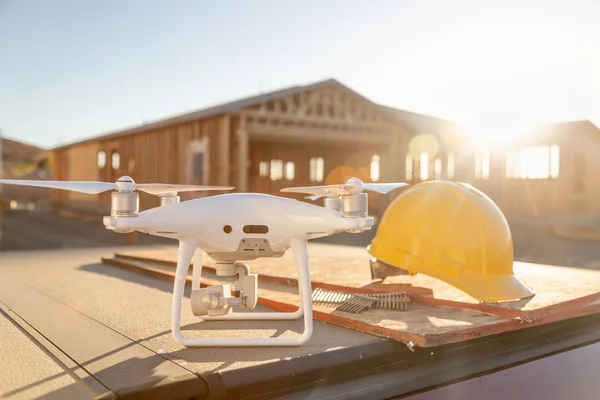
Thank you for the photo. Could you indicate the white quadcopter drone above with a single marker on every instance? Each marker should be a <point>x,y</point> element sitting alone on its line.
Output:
<point>231,228</point>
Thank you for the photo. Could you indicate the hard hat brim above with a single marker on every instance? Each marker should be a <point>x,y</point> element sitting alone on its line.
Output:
<point>482,287</point>
<point>490,288</point>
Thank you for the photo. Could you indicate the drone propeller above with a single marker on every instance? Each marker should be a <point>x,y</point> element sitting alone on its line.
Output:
<point>352,185</point>
<point>158,189</point>
<point>76,186</point>
<point>124,183</point>
<point>312,197</point>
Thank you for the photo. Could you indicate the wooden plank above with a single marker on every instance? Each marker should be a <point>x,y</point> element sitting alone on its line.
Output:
<point>224,143</point>
<point>243,157</point>
<point>179,154</point>
<point>422,325</point>
<point>556,288</point>
<point>306,134</point>
<point>285,118</point>
<point>430,321</point>
<point>213,151</point>
<point>409,326</point>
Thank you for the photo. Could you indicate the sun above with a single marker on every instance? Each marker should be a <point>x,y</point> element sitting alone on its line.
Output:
<point>498,129</point>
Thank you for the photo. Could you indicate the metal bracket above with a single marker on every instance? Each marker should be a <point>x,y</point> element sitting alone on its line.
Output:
<point>217,300</point>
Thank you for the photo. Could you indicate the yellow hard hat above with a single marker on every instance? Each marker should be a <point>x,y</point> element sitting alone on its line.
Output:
<point>452,232</point>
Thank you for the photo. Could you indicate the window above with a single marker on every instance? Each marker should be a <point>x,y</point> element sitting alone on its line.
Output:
<point>536,162</point>
<point>116,160</point>
<point>276,170</point>
<point>316,169</point>
<point>485,167</point>
<point>263,169</point>
<point>409,167</point>
<point>424,166</point>
<point>375,168</point>
<point>512,165</point>
<point>533,162</point>
<point>198,162</point>
<point>450,166</point>
<point>437,168</point>
<point>554,161</point>
<point>290,170</point>
<point>101,159</point>
<point>482,164</point>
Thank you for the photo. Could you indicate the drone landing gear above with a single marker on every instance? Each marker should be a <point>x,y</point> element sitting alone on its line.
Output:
<point>185,254</point>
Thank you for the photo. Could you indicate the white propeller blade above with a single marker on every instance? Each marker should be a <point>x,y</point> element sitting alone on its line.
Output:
<point>312,197</point>
<point>89,187</point>
<point>92,187</point>
<point>383,188</point>
<point>316,192</point>
<point>163,188</point>
<point>353,185</point>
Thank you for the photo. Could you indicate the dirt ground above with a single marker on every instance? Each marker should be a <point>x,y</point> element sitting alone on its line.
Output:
<point>43,229</point>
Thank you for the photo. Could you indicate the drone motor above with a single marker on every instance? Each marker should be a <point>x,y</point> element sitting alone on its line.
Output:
<point>348,198</point>
<point>333,203</point>
<point>124,204</point>
<point>355,205</point>
<point>125,201</point>
<point>351,205</point>
<point>169,198</point>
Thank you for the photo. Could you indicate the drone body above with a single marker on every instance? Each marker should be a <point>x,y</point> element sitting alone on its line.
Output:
<point>231,228</point>
<point>221,223</point>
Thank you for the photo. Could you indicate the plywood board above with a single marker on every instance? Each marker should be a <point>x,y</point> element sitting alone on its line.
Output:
<point>438,314</point>
<point>421,324</point>
<point>333,266</point>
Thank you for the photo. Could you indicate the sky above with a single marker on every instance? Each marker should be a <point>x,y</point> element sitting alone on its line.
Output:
<point>72,69</point>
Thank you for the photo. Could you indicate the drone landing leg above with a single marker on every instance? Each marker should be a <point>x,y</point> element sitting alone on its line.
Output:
<point>197,268</point>
<point>185,254</point>
<point>184,257</point>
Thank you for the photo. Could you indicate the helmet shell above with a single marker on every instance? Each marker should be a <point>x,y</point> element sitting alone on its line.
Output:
<point>452,232</point>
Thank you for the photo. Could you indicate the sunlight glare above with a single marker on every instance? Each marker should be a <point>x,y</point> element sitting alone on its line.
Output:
<point>495,133</point>
<point>424,166</point>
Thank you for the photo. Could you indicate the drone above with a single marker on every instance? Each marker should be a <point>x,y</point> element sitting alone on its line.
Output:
<point>232,228</point>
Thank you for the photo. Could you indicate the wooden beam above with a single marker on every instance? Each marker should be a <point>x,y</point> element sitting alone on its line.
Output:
<point>1,215</point>
<point>243,157</point>
<point>314,135</point>
<point>224,141</point>
<point>312,119</point>
<point>132,239</point>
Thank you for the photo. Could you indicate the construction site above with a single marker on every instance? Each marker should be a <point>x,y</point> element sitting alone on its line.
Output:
<point>413,332</point>
<point>320,133</point>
